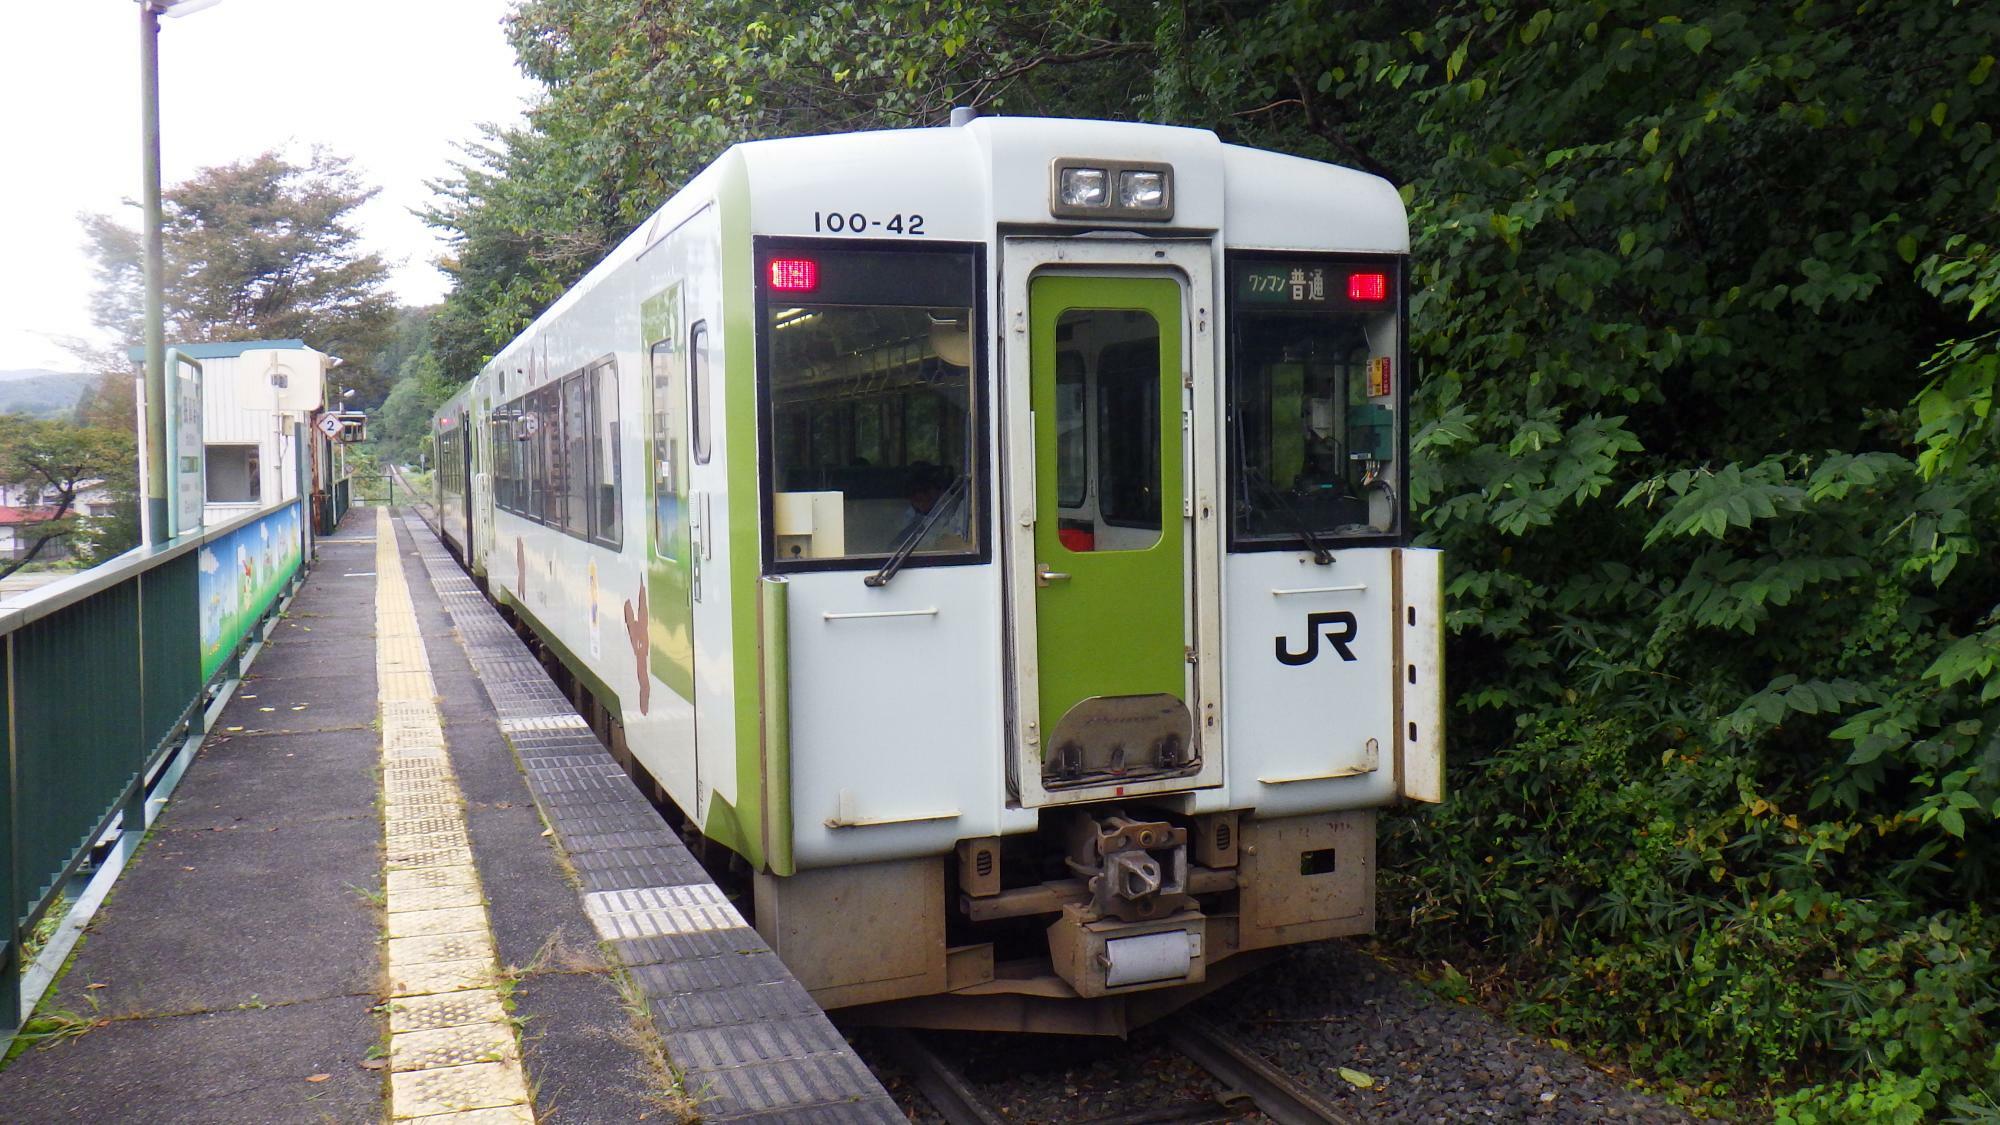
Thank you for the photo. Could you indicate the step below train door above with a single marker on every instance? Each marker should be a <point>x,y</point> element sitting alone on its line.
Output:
<point>1113,552</point>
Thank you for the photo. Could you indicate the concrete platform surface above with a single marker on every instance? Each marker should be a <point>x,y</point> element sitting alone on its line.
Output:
<point>234,973</point>
<point>748,1040</point>
<point>253,963</point>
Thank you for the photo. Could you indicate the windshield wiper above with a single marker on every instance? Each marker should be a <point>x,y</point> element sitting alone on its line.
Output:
<point>944,503</point>
<point>1299,524</point>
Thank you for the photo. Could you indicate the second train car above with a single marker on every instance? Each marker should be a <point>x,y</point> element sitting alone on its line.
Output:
<point>997,537</point>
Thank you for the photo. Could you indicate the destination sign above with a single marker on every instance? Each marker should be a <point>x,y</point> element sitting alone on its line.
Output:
<point>1310,283</point>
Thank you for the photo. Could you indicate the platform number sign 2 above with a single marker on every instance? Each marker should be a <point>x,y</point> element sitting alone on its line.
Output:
<point>1340,628</point>
<point>329,424</point>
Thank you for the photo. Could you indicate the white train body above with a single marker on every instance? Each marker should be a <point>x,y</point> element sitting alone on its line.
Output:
<point>1133,403</point>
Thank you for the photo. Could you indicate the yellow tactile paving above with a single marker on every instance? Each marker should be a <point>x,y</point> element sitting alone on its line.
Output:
<point>444,1009</point>
<point>480,1085</point>
<point>437,898</point>
<point>453,1046</point>
<point>450,920</point>
<point>499,1115</point>
<point>454,1057</point>
<point>425,948</point>
<point>404,882</point>
<point>441,976</point>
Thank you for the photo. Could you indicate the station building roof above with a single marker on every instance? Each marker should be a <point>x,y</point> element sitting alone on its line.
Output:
<point>228,350</point>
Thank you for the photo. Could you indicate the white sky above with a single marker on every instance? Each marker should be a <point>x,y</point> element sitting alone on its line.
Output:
<point>393,84</point>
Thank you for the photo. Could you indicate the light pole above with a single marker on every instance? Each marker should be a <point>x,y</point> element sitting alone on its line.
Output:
<point>156,332</point>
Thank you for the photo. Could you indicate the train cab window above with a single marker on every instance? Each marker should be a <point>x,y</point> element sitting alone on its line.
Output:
<point>872,396</point>
<point>1315,403</point>
<point>605,485</point>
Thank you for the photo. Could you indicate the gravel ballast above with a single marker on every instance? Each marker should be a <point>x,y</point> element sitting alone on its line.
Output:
<point>1322,1008</point>
<point>1331,1005</point>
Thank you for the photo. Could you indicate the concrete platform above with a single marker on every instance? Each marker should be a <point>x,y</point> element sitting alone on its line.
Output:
<point>748,1039</point>
<point>250,965</point>
<point>234,972</point>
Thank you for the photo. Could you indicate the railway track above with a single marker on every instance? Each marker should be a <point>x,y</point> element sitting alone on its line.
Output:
<point>1249,1086</point>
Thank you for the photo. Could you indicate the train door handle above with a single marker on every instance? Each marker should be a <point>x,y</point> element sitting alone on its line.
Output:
<point>1044,576</point>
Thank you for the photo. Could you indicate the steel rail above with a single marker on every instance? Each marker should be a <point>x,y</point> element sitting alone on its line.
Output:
<point>1281,1097</point>
<point>946,1090</point>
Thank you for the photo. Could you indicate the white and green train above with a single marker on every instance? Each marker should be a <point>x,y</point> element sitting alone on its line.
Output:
<point>995,536</point>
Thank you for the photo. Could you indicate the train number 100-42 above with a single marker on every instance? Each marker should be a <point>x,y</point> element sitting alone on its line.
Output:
<point>854,222</point>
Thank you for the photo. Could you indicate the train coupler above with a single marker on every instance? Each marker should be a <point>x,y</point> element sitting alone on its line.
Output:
<point>1107,956</point>
<point>1135,869</point>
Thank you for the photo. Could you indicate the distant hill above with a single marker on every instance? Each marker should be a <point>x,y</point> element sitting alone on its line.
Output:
<point>41,393</point>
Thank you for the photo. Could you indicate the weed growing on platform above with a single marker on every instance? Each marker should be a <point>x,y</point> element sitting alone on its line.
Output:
<point>52,1028</point>
<point>666,1083</point>
<point>45,930</point>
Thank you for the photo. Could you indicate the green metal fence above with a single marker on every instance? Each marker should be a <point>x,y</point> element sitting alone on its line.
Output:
<point>339,498</point>
<point>102,678</point>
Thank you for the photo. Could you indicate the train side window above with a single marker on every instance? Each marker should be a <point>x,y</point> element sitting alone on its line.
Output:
<point>663,359</point>
<point>507,454</point>
<point>698,389</point>
<point>448,454</point>
<point>542,422</point>
<point>577,470</point>
<point>500,438</point>
<point>606,485</point>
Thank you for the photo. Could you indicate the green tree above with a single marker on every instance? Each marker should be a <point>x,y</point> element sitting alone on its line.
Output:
<point>642,95</point>
<point>401,429</point>
<point>260,249</point>
<point>1726,780</point>
<point>59,461</point>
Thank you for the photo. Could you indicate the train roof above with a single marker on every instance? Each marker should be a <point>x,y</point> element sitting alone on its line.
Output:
<point>997,172</point>
<point>994,172</point>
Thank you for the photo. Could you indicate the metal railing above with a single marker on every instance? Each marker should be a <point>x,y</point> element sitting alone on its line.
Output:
<point>339,498</point>
<point>103,678</point>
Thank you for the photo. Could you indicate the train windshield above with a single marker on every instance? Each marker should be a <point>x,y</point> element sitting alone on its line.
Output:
<point>1315,401</point>
<point>873,403</point>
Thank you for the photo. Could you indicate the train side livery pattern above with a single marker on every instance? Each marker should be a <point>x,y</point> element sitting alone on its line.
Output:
<point>995,536</point>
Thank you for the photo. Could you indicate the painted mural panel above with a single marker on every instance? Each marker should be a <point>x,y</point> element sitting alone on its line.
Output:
<point>242,573</point>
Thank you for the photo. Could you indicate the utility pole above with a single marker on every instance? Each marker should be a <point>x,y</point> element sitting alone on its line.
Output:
<point>156,332</point>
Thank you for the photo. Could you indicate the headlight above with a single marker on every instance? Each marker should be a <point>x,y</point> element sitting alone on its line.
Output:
<point>1142,191</point>
<point>1084,187</point>
<point>1100,189</point>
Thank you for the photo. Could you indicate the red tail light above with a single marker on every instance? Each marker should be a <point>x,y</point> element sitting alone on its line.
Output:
<point>794,275</point>
<point>1367,286</point>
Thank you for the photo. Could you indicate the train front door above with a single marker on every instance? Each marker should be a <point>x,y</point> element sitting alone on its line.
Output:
<point>1111,565</point>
